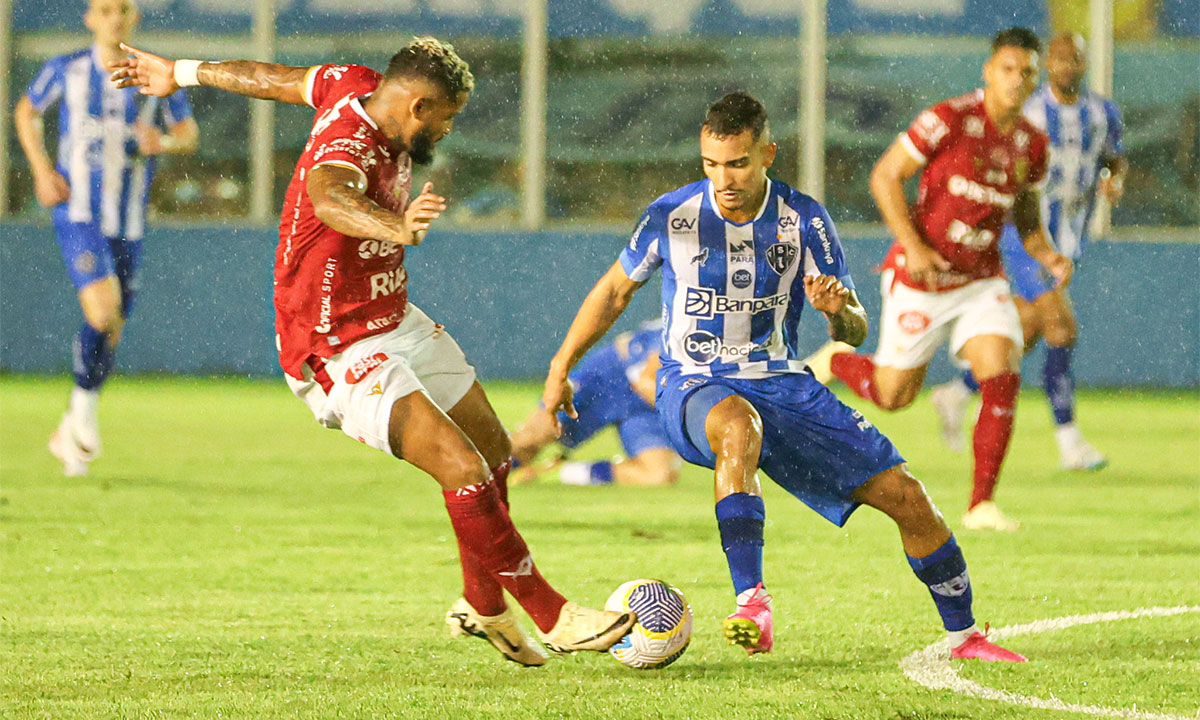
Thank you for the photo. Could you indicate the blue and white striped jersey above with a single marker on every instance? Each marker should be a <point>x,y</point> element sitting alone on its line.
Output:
<point>97,149</point>
<point>1082,137</point>
<point>732,294</point>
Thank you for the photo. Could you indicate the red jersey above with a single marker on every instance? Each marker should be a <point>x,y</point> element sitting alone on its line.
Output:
<point>973,174</point>
<point>332,289</point>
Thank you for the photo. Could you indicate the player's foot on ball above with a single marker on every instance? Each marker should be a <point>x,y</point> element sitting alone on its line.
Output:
<point>987,516</point>
<point>502,631</point>
<point>978,647</point>
<point>579,628</point>
<point>820,362</point>
<point>1082,456</point>
<point>950,401</point>
<point>65,448</point>
<point>752,626</point>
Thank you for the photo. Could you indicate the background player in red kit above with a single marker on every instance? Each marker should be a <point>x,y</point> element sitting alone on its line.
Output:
<point>355,350</point>
<point>979,161</point>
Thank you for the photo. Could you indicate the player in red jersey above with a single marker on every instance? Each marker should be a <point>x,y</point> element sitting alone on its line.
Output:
<point>979,161</point>
<point>355,350</point>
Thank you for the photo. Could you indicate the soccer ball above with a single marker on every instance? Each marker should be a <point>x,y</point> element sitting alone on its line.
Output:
<point>663,628</point>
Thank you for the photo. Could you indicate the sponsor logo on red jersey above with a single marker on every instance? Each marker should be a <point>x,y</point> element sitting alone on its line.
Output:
<point>363,368</point>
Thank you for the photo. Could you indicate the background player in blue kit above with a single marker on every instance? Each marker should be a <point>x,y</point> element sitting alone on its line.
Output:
<point>98,189</point>
<point>739,254</point>
<point>614,385</point>
<point>1086,157</point>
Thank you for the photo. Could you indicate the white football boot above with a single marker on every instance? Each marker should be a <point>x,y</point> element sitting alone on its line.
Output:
<point>580,628</point>
<point>502,631</point>
<point>986,516</point>
<point>64,447</point>
<point>950,402</point>
<point>820,362</point>
<point>1074,452</point>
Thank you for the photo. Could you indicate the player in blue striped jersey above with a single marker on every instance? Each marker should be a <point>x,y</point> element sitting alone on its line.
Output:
<point>97,188</point>
<point>1086,158</point>
<point>740,254</point>
<point>614,385</point>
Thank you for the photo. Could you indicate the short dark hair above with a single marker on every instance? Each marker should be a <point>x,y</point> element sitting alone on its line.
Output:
<point>1017,37</point>
<point>431,59</point>
<point>734,114</point>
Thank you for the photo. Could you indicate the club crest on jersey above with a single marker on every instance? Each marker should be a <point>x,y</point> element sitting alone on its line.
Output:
<point>780,256</point>
<point>363,368</point>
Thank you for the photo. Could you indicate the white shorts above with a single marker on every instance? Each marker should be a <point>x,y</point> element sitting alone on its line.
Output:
<point>369,376</point>
<point>914,323</point>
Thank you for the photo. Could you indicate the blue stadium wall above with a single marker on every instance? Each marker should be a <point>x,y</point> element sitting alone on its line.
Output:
<point>205,302</point>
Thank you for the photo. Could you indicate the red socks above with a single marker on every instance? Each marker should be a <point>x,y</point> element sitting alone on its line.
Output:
<point>993,431</point>
<point>858,372</point>
<point>479,587</point>
<point>492,553</point>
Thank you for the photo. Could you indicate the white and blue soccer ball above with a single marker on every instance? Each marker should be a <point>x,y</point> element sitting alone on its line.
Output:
<point>663,628</point>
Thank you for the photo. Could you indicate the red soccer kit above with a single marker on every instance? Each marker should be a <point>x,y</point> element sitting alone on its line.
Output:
<point>332,289</point>
<point>972,176</point>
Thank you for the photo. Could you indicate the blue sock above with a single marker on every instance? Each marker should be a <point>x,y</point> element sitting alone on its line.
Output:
<point>94,357</point>
<point>740,519</point>
<point>602,473</point>
<point>1059,382</point>
<point>945,572</point>
<point>969,380</point>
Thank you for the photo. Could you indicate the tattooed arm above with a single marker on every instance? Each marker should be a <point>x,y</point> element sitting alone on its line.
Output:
<point>155,75</point>
<point>339,200</point>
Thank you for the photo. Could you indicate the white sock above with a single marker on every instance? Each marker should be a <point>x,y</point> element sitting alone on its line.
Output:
<point>83,402</point>
<point>1068,436</point>
<point>958,637</point>
<point>575,473</point>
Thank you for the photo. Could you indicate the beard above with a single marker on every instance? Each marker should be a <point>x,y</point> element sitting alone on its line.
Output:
<point>421,148</point>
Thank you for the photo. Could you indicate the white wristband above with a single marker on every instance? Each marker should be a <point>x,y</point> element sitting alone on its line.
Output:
<point>186,73</point>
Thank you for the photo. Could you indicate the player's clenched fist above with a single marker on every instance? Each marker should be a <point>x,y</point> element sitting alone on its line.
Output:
<point>826,293</point>
<point>421,213</point>
<point>150,73</point>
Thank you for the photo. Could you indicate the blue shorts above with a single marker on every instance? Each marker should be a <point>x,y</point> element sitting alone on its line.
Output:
<point>89,256</point>
<point>1029,279</point>
<point>603,397</point>
<point>814,446</point>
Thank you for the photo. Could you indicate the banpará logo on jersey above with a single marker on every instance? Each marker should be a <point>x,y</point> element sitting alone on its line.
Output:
<point>704,347</point>
<point>741,279</point>
<point>706,304</point>
<point>780,256</point>
<point>683,224</point>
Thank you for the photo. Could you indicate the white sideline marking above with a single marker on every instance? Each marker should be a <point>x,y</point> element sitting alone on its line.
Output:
<point>931,666</point>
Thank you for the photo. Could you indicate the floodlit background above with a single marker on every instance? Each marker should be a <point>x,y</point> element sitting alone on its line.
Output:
<point>586,110</point>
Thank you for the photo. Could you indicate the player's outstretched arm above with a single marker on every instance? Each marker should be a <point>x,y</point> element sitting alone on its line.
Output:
<point>156,75</point>
<point>600,309</point>
<point>1027,217</point>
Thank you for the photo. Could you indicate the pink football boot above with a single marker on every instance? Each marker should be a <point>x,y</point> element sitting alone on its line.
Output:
<point>978,647</point>
<point>751,626</point>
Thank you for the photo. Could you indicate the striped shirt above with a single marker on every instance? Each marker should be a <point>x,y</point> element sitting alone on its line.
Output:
<point>732,293</point>
<point>97,147</point>
<point>1083,136</point>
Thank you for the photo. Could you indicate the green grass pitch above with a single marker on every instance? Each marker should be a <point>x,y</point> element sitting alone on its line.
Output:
<point>227,557</point>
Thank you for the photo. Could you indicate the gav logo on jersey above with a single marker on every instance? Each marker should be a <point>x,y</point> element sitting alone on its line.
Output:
<point>704,347</point>
<point>705,303</point>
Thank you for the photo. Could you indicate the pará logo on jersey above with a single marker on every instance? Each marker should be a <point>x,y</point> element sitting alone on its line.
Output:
<point>780,256</point>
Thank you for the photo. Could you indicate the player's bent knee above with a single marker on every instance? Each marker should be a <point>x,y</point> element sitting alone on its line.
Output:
<point>734,427</point>
<point>897,493</point>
